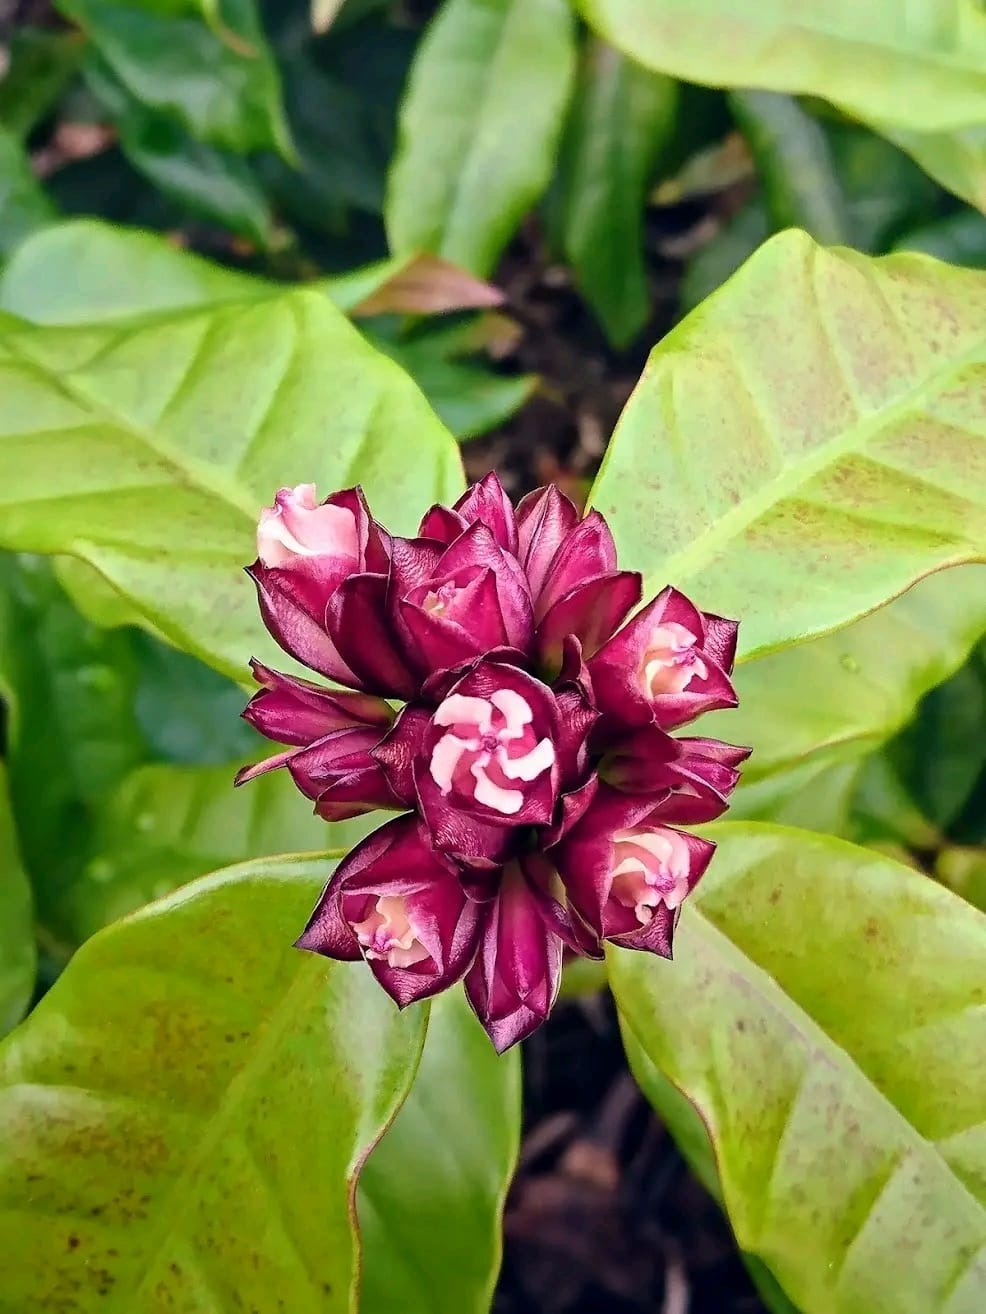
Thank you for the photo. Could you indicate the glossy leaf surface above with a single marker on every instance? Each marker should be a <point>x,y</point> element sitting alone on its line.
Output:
<point>479,127</point>
<point>845,1134</point>
<point>186,1112</point>
<point>799,489</point>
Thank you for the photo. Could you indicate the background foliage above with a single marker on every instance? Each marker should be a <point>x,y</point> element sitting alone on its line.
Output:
<point>251,243</point>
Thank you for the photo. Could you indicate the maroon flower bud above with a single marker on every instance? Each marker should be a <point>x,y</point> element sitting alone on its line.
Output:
<point>489,762</point>
<point>476,600</point>
<point>313,563</point>
<point>544,521</point>
<point>670,663</point>
<point>397,904</point>
<point>514,980</point>
<point>332,733</point>
<point>627,873</point>
<point>697,775</point>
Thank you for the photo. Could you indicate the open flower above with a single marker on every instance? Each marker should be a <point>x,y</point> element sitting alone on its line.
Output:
<point>542,795</point>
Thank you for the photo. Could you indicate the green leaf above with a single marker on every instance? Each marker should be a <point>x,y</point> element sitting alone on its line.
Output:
<point>18,956</point>
<point>186,1112</point>
<point>621,119</point>
<point>72,735</point>
<point>959,238</point>
<point>148,453</point>
<point>866,680</point>
<point>824,1015</point>
<point>224,91</point>
<point>216,184</point>
<point>922,82</point>
<point>165,825</point>
<point>431,1196</point>
<point>735,242</point>
<point>41,65</point>
<point>479,127</point>
<point>802,488</point>
<point>964,871</point>
<point>88,272</point>
<point>795,163</point>
<point>24,206</point>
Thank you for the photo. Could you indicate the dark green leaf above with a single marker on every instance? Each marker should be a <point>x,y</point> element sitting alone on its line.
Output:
<point>479,127</point>
<point>219,81</point>
<point>960,238</point>
<point>431,1196</point>
<point>203,179</point>
<point>622,117</point>
<point>800,185</point>
<point>18,957</point>
<point>185,1114</point>
<point>713,263</point>
<point>41,65</point>
<point>802,488</point>
<point>846,1135</point>
<point>24,206</point>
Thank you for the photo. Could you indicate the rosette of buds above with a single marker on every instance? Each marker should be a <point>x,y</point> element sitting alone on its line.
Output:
<point>496,698</point>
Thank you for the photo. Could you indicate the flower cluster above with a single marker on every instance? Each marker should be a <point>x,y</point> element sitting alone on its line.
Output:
<point>538,788</point>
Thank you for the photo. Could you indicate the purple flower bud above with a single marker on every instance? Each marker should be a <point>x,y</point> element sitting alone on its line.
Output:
<point>487,504</point>
<point>397,904</point>
<point>627,873</point>
<point>332,733</point>
<point>514,980</point>
<point>665,665</point>
<point>476,600</point>
<point>544,520</point>
<point>697,775</point>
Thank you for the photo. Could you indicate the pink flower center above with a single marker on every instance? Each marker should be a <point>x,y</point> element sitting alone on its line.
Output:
<point>297,526</point>
<point>650,867</point>
<point>670,661</point>
<point>389,933</point>
<point>437,602</point>
<point>488,748</point>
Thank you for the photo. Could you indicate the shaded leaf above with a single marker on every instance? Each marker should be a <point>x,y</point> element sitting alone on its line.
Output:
<point>24,206</point>
<point>960,238</point>
<point>964,871</point>
<point>836,1144</point>
<point>479,126</point>
<point>431,1196</point>
<point>165,825</point>
<point>170,462</point>
<point>41,65</point>
<point>18,956</point>
<point>153,1108</point>
<point>857,57</point>
<point>799,489</point>
<point>800,185</point>
<point>205,180</point>
<point>224,92</point>
<point>621,118</point>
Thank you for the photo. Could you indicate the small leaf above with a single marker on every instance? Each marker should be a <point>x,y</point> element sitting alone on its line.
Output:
<point>621,119</point>
<point>171,462</point>
<point>170,59</point>
<point>188,1109</point>
<point>857,57</point>
<point>431,1196</point>
<point>324,13</point>
<point>18,956</point>
<point>795,163</point>
<point>479,126</point>
<point>424,285</point>
<point>846,1135</point>
<point>801,488</point>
